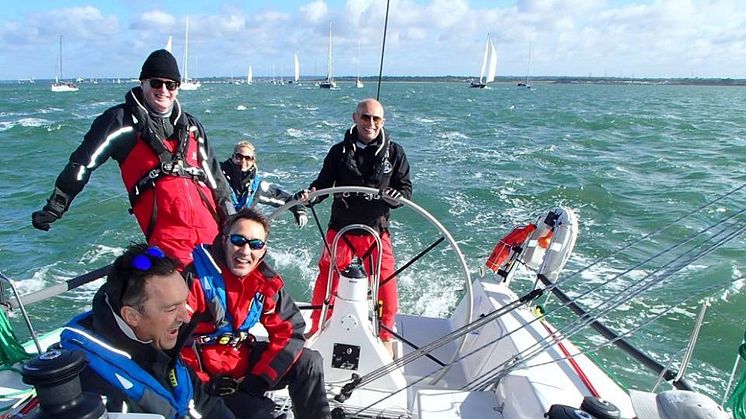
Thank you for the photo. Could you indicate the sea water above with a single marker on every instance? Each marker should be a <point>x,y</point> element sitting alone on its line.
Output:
<point>629,159</point>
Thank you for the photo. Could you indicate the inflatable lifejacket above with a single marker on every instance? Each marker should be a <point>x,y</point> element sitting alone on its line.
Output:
<point>544,246</point>
<point>213,287</point>
<point>118,369</point>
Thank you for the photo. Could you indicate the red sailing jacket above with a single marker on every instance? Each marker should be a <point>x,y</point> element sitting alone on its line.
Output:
<point>280,317</point>
<point>182,218</point>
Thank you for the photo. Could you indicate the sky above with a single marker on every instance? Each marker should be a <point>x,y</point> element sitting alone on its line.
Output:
<point>599,38</point>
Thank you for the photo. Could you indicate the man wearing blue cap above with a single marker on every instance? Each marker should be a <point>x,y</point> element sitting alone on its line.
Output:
<point>176,188</point>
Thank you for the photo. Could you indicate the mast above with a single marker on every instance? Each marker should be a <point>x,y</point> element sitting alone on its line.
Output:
<point>330,67</point>
<point>185,78</point>
<point>60,65</point>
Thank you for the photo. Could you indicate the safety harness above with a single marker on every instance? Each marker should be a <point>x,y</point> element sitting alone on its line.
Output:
<point>171,164</point>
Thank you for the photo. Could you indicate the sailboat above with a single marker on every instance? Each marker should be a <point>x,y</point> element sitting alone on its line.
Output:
<point>489,64</point>
<point>250,76</point>
<point>296,69</point>
<point>62,86</point>
<point>358,82</point>
<point>528,67</point>
<point>169,44</point>
<point>186,83</point>
<point>329,83</point>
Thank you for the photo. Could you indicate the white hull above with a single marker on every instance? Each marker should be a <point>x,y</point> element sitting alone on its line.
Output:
<point>190,85</point>
<point>64,87</point>
<point>493,358</point>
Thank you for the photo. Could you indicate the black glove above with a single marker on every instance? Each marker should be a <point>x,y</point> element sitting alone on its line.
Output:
<point>57,204</point>
<point>302,196</point>
<point>300,217</point>
<point>222,386</point>
<point>43,218</point>
<point>390,195</point>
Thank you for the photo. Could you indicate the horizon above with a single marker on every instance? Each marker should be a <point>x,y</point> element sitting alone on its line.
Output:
<point>634,39</point>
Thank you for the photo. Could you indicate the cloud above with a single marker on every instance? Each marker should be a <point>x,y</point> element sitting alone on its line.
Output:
<point>315,12</point>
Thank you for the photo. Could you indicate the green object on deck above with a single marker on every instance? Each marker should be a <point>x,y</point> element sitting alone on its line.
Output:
<point>11,351</point>
<point>737,400</point>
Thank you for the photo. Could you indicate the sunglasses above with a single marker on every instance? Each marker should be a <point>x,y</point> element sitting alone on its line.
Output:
<point>170,85</point>
<point>144,260</point>
<point>241,241</point>
<point>372,118</point>
<point>239,156</point>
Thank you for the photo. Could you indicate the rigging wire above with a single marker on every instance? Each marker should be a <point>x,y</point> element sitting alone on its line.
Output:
<point>671,268</point>
<point>574,328</point>
<point>383,49</point>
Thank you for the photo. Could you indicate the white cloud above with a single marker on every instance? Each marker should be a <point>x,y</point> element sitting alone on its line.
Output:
<point>315,12</point>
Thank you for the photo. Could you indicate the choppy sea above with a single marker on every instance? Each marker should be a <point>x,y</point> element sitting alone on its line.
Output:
<point>629,159</point>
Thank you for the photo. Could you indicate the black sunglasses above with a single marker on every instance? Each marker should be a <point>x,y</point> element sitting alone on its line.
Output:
<point>241,241</point>
<point>239,156</point>
<point>372,118</point>
<point>157,84</point>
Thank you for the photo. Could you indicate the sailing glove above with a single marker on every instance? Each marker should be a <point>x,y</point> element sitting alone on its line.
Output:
<point>302,196</point>
<point>390,196</point>
<point>300,218</point>
<point>57,204</point>
<point>43,218</point>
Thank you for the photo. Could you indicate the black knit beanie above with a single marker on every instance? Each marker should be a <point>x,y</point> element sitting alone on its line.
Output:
<point>160,64</point>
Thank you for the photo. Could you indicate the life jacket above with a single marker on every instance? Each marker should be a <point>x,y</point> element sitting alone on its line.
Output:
<point>213,288</point>
<point>382,168</point>
<point>173,206</point>
<point>247,199</point>
<point>118,369</point>
<point>171,163</point>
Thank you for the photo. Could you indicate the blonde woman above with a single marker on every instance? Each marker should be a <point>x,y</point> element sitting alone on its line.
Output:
<point>249,189</point>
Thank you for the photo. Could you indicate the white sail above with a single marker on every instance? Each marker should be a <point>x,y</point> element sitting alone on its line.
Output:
<point>296,72</point>
<point>186,83</point>
<point>358,82</point>
<point>492,65</point>
<point>250,76</point>
<point>169,43</point>
<point>489,65</point>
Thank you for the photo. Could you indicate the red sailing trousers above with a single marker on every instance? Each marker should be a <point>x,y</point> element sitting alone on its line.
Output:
<point>357,245</point>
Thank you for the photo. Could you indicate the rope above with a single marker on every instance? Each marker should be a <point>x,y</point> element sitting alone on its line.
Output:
<point>737,401</point>
<point>11,351</point>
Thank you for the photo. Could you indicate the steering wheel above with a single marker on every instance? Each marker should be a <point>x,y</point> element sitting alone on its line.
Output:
<point>376,194</point>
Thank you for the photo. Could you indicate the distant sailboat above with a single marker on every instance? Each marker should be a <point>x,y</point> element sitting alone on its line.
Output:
<point>250,76</point>
<point>358,82</point>
<point>525,83</point>
<point>62,86</point>
<point>169,44</point>
<point>186,83</point>
<point>329,82</point>
<point>489,65</point>
<point>296,67</point>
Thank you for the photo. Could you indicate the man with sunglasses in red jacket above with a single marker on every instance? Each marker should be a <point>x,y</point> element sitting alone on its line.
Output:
<point>232,290</point>
<point>176,188</point>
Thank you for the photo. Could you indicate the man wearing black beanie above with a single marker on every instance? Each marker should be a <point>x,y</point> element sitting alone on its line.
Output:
<point>176,188</point>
